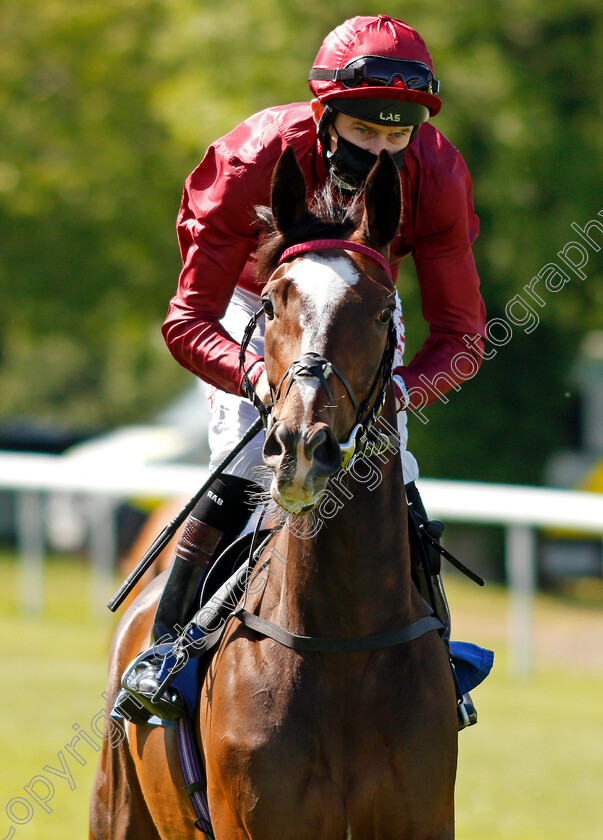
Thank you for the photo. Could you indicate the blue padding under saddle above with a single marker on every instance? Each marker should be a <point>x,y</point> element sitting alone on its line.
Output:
<point>472,664</point>
<point>186,682</point>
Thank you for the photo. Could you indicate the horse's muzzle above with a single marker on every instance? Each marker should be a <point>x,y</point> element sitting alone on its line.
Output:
<point>302,461</point>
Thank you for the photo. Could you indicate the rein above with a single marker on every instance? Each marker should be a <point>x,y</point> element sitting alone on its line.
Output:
<point>312,365</point>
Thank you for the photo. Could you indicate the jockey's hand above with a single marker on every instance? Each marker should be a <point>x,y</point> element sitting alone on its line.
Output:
<point>398,405</point>
<point>262,389</point>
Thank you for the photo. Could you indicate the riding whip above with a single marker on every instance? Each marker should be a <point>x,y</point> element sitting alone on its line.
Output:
<point>168,532</point>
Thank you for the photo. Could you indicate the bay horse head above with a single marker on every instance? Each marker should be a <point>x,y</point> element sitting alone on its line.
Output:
<point>329,337</point>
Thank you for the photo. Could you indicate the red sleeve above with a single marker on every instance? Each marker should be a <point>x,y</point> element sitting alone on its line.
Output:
<point>445,228</point>
<point>217,234</point>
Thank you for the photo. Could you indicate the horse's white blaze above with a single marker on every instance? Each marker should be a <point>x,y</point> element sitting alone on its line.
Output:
<point>302,468</point>
<point>307,387</point>
<point>322,283</point>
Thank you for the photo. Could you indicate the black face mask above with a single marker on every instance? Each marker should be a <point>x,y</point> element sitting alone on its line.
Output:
<point>350,165</point>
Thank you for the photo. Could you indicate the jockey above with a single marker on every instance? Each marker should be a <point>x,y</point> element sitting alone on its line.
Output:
<point>374,88</point>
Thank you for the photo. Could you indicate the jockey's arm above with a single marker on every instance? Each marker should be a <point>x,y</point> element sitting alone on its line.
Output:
<point>217,235</point>
<point>450,297</point>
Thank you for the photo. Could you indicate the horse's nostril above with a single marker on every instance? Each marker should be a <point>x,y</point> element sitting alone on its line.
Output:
<point>314,441</point>
<point>272,445</point>
<point>322,450</point>
<point>279,441</point>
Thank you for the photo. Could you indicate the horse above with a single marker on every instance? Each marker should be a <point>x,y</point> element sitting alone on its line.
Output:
<point>325,711</point>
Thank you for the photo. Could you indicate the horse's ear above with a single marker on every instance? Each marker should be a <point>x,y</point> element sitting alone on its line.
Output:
<point>382,201</point>
<point>288,192</point>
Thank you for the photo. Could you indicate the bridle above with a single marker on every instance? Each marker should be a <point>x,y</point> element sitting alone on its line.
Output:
<point>363,435</point>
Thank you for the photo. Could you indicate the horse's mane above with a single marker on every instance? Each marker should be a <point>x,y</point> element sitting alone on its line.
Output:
<point>329,217</point>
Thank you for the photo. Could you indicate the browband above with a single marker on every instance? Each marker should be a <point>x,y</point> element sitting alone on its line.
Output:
<point>341,244</point>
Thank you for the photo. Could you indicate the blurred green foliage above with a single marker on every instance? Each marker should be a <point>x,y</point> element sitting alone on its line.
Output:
<point>106,107</point>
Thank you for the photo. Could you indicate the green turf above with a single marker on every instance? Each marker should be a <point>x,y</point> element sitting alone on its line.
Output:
<point>530,770</point>
<point>54,676</point>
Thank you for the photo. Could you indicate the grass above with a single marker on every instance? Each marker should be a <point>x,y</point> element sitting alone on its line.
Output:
<point>54,675</point>
<point>530,770</point>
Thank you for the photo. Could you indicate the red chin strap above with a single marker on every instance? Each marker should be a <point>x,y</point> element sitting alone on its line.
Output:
<point>340,245</point>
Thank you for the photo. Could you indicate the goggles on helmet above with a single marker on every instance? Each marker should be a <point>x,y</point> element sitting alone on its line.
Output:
<point>380,70</point>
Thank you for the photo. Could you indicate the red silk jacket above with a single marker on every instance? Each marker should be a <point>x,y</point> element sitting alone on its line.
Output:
<point>218,237</point>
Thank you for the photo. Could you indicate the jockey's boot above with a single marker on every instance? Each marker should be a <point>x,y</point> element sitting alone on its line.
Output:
<point>466,711</point>
<point>215,522</point>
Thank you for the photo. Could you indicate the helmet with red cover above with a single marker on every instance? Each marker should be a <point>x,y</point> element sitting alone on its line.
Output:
<point>378,69</point>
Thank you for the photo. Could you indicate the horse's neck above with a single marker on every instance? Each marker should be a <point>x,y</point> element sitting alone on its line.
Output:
<point>353,575</point>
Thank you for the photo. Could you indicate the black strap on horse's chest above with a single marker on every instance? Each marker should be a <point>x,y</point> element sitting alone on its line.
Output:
<point>318,644</point>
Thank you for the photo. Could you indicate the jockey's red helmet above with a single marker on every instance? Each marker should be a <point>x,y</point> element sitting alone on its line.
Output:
<point>367,61</point>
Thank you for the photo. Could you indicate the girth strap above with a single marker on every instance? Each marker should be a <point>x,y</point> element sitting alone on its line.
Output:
<point>317,644</point>
<point>193,771</point>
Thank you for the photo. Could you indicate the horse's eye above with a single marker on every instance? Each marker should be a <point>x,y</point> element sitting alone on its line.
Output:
<point>385,315</point>
<point>268,308</point>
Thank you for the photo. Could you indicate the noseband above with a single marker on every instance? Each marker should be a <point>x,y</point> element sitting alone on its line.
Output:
<point>314,366</point>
